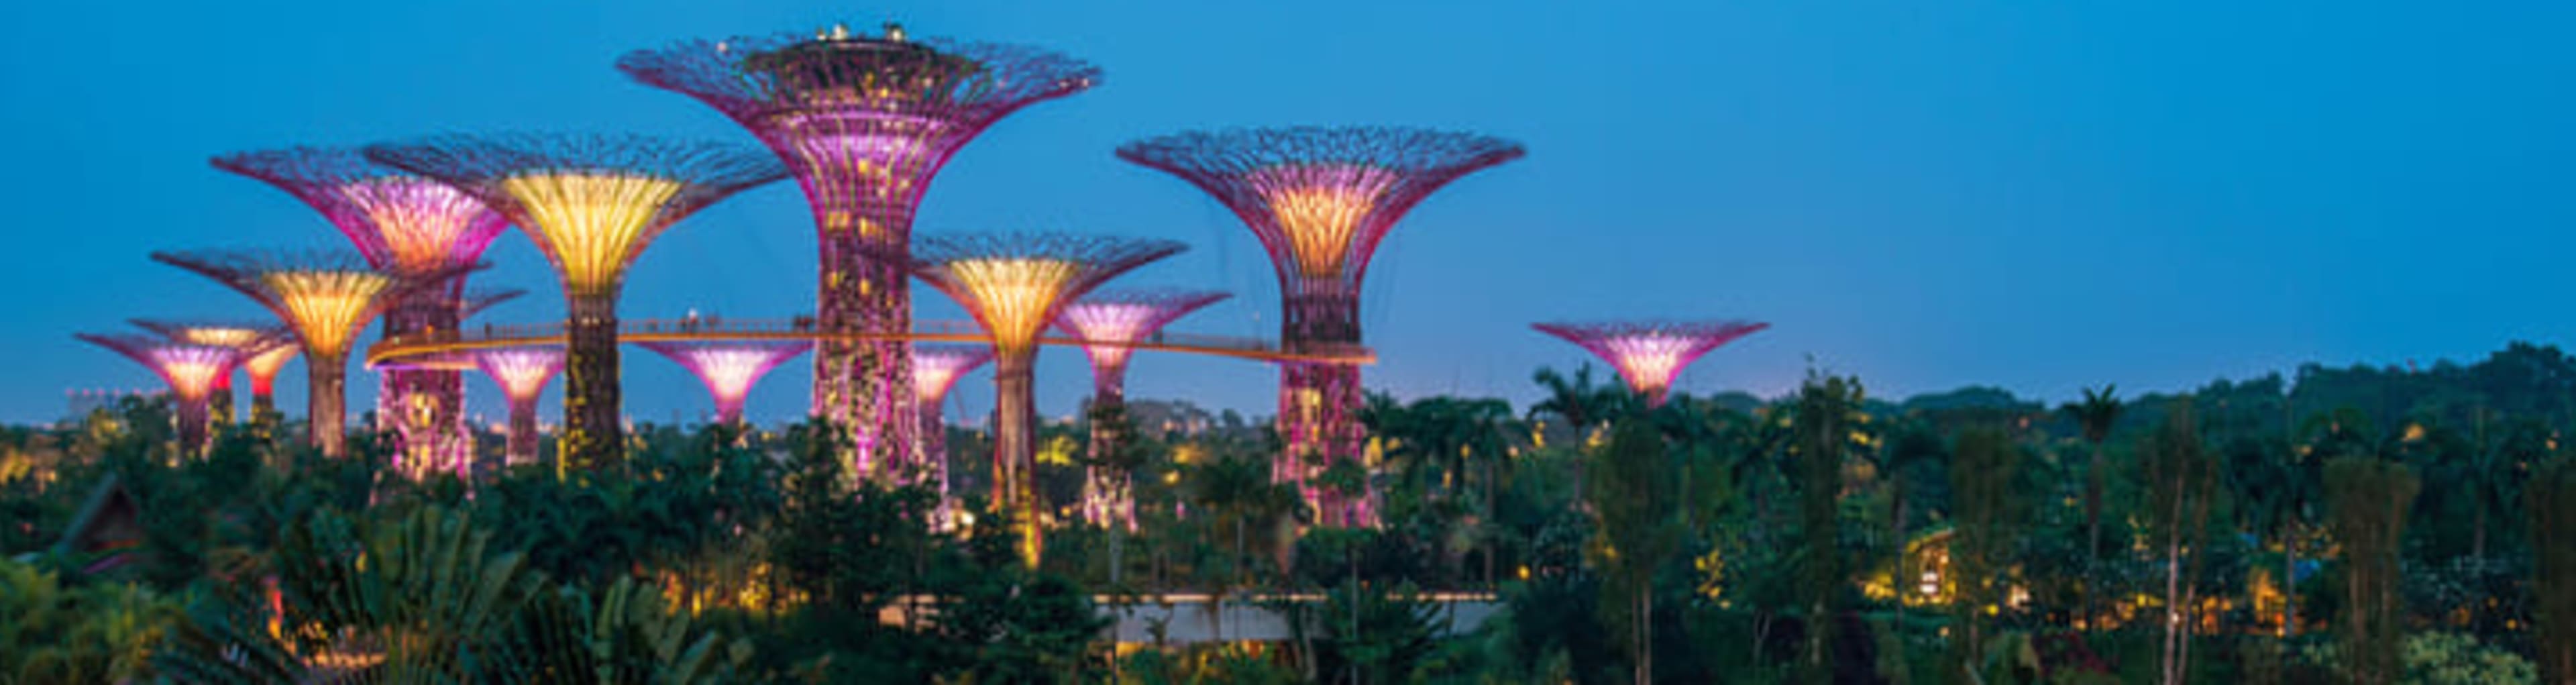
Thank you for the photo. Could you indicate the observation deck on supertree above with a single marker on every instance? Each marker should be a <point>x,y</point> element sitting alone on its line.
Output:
<point>326,297</point>
<point>864,123</point>
<point>1015,285</point>
<point>935,370</point>
<point>729,369</point>
<point>522,373</point>
<point>1110,323</point>
<point>1650,354</point>
<point>592,203</point>
<point>250,339</point>
<point>411,227</point>
<point>191,370</point>
<point>1320,200</point>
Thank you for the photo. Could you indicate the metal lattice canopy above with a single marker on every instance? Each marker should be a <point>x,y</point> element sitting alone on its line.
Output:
<point>1320,198</point>
<point>473,301</point>
<point>324,296</point>
<point>590,201</point>
<point>402,222</point>
<point>248,337</point>
<point>1651,353</point>
<point>1110,322</point>
<point>729,368</point>
<point>191,369</point>
<point>946,87</point>
<point>522,372</point>
<point>1015,283</point>
<point>936,368</point>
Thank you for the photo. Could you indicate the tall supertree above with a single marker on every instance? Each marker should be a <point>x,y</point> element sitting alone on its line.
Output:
<point>1015,284</point>
<point>414,228</point>
<point>250,339</point>
<point>1320,199</point>
<point>522,373</point>
<point>191,369</point>
<point>729,368</point>
<point>326,297</point>
<point>865,123</point>
<point>1110,324</point>
<point>592,203</point>
<point>1650,354</point>
<point>935,370</point>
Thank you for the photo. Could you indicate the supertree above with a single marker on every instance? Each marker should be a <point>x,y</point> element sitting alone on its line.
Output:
<point>414,228</point>
<point>326,297</point>
<point>522,373</point>
<point>935,370</point>
<point>864,123</point>
<point>1015,284</point>
<point>1650,354</point>
<point>191,369</point>
<point>592,203</point>
<point>474,300</point>
<point>250,339</point>
<point>1109,324</point>
<point>262,368</point>
<point>1319,200</point>
<point>729,368</point>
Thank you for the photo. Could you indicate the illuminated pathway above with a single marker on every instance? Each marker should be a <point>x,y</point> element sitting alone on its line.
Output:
<point>433,349</point>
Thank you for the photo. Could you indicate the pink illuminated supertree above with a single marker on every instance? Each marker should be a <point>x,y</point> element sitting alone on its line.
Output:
<point>935,370</point>
<point>1320,200</point>
<point>729,368</point>
<point>413,228</point>
<point>592,203</point>
<point>522,373</point>
<point>1015,285</point>
<point>1110,324</point>
<point>1650,354</point>
<point>250,339</point>
<point>864,123</point>
<point>326,297</point>
<point>191,369</point>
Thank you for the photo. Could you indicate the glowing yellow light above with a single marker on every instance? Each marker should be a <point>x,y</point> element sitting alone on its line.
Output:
<point>192,369</point>
<point>1013,296</point>
<point>266,364</point>
<point>1321,209</point>
<point>419,221</point>
<point>1057,452</point>
<point>219,336</point>
<point>590,224</point>
<point>327,307</point>
<point>2414,432</point>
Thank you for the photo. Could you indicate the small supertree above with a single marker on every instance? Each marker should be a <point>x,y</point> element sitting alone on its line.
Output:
<point>729,368</point>
<point>864,123</point>
<point>1110,324</point>
<point>1319,200</point>
<point>262,368</point>
<point>191,370</point>
<point>250,339</point>
<point>591,203</point>
<point>326,297</point>
<point>1015,284</point>
<point>414,228</point>
<point>1650,354</point>
<point>935,370</point>
<point>522,373</point>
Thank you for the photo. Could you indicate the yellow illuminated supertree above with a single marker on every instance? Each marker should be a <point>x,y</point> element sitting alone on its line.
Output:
<point>1015,285</point>
<point>326,297</point>
<point>249,339</point>
<point>592,203</point>
<point>1320,199</point>
<point>191,369</point>
<point>262,368</point>
<point>1109,325</point>
<point>522,373</point>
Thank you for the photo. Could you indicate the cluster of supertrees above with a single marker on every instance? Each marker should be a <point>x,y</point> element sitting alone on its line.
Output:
<point>863,123</point>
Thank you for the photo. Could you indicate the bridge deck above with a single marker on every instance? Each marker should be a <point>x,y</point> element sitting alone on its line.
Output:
<point>437,349</point>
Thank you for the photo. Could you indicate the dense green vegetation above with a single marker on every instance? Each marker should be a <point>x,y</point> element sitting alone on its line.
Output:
<point>2339,525</point>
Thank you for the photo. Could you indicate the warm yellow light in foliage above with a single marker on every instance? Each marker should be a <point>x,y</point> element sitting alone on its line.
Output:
<point>1320,210</point>
<point>589,224</point>
<point>1012,296</point>
<point>327,307</point>
<point>1058,452</point>
<point>420,220</point>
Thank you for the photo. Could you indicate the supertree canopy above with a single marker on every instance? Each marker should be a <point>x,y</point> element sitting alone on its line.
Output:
<point>1650,354</point>
<point>1015,284</point>
<point>729,368</point>
<point>474,300</point>
<point>326,297</point>
<point>250,339</point>
<point>1320,200</point>
<point>592,203</point>
<point>191,370</point>
<point>935,370</point>
<point>262,367</point>
<point>1109,324</point>
<point>412,227</point>
<point>865,123</point>
<point>522,373</point>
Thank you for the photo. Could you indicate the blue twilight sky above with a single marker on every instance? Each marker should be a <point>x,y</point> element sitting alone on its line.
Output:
<point>2034,195</point>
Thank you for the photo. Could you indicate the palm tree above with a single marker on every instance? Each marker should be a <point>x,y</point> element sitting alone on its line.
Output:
<point>2096,414</point>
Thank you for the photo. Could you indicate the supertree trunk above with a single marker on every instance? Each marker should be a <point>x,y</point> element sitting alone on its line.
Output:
<point>593,432</point>
<point>192,417</point>
<point>327,404</point>
<point>1105,483</point>
<point>424,408</point>
<point>521,446</point>
<point>1318,407</point>
<point>934,451</point>
<point>865,386</point>
<point>219,406</point>
<point>1015,415</point>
